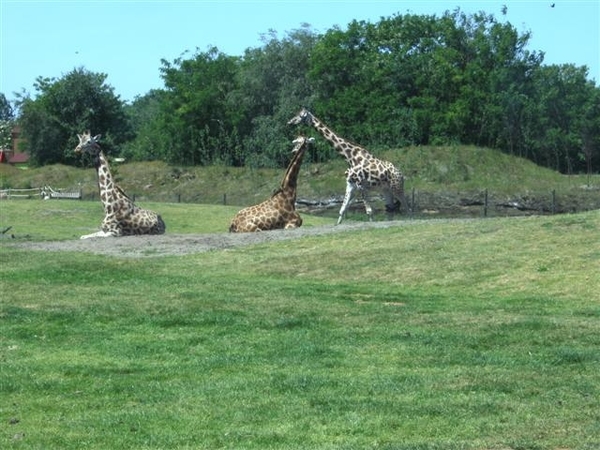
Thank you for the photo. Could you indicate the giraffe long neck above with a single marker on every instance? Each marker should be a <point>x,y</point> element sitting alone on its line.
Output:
<point>106,184</point>
<point>290,179</point>
<point>343,147</point>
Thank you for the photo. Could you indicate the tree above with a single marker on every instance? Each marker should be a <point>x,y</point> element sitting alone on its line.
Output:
<point>6,122</point>
<point>6,109</point>
<point>231,110</point>
<point>272,86</point>
<point>406,79</point>
<point>77,102</point>
<point>589,128</point>
<point>565,114</point>
<point>194,109</point>
<point>144,115</point>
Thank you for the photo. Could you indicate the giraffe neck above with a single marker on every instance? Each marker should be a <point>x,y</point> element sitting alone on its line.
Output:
<point>290,179</point>
<point>347,149</point>
<point>109,192</point>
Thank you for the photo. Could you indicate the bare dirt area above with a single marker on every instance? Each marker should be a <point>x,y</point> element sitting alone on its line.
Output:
<point>181,244</point>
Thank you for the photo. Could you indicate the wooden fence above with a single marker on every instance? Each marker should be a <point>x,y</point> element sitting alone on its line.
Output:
<point>19,193</point>
<point>45,193</point>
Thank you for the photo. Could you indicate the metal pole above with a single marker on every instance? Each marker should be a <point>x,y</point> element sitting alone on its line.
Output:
<point>485,204</point>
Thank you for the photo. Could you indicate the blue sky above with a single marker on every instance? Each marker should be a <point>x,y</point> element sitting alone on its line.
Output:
<point>127,39</point>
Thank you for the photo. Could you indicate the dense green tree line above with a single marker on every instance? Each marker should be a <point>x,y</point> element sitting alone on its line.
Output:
<point>77,102</point>
<point>405,80</point>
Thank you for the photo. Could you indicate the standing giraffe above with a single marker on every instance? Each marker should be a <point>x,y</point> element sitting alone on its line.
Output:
<point>279,211</point>
<point>364,171</point>
<point>122,216</point>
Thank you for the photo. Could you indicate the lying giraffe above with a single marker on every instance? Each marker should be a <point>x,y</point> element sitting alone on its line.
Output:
<point>279,211</point>
<point>364,171</point>
<point>122,216</point>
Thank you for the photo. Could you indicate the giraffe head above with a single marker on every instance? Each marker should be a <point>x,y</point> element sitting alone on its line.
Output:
<point>300,142</point>
<point>304,116</point>
<point>88,144</point>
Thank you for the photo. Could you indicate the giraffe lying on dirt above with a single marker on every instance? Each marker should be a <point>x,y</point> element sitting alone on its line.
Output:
<point>279,211</point>
<point>122,216</point>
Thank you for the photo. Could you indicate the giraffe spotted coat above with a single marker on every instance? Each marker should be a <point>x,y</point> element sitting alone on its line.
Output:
<point>122,217</point>
<point>364,172</point>
<point>279,211</point>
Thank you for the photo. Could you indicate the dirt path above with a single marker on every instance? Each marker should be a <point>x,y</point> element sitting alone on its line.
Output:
<point>180,244</point>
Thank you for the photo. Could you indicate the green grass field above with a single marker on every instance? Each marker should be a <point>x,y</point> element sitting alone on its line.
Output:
<point>450,334</point>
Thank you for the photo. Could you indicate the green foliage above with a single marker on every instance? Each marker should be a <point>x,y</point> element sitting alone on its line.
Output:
<point>403,80</point>
<point>7,122</point>
<point>149,143</point>
<point>272,85</point>
<point>444,80</point>
<point>6,127</point>
<point>194,109</point>
<point>7,112</point>
<point>563,133</point>
<point>63,108</point>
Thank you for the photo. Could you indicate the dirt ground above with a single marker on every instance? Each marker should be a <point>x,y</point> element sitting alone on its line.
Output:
<point>181,244</point>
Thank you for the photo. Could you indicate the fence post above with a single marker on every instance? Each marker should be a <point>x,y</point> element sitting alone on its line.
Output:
<point>224,199</point>
<point>485,203</point>
<point>553,201</point>
<point>412,203</point>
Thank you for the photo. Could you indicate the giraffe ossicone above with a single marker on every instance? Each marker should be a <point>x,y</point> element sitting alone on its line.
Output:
<point>121,216</point>
<point>279,211</point>
<point>364,172</point>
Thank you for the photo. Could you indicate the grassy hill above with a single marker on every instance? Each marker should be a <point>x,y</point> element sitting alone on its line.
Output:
<point>447,179</point>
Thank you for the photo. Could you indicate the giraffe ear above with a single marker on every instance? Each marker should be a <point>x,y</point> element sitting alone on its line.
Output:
<point>97,137</point>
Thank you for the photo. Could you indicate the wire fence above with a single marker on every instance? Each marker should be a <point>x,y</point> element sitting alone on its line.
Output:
<point>483,203</point>
<point>418,203</point>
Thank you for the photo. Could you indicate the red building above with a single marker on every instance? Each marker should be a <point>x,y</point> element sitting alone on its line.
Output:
<point>12,155</point>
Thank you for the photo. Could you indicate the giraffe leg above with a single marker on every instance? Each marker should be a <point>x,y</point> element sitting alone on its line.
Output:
<point>294,221</point>
<point>109,227</point>
<point>350,188</point>
<point>397,191</point>
<point>368,208</point>
<point>100,233</point>
<point>390,205</point>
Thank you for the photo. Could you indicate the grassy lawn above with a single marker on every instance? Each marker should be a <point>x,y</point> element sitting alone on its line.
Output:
<point>467,334</point>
